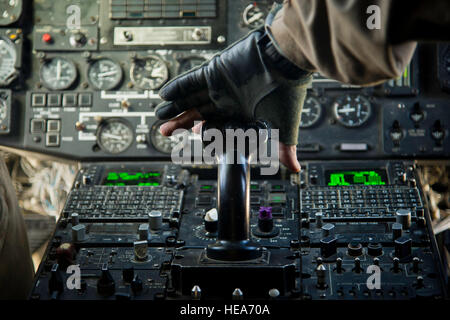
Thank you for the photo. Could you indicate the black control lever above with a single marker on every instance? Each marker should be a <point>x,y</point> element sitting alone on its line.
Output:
<point>233,198</point>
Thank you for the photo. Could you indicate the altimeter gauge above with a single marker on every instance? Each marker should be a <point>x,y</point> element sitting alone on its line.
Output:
<point>58,73</point>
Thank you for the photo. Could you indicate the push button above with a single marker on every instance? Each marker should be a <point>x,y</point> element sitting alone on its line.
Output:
<point>52,140</point>
<point>54,100</point>
<point>53,125</point>
<point>69,100</point>
<point>37,126</point>
<point>38,100</point>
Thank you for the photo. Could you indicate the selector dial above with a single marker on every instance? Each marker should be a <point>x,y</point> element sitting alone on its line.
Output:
<point>254,14</point>
<point>58,73</point>
<point>352,110</point>
<point>8,57</point>
<point>311,113</point>
<point>115,135</point>
<point>105,74</point>
<point>149,73</point>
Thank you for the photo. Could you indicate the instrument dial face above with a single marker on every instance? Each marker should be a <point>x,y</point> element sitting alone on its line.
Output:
<point>149,73</point>
<point>115,136</point>
<point>188,63</point>
<point>254,14</point>
<point>352,110</point>
<point>8,58</point>
<point>311,113</point>
<point>58,73</point>
<point>161,143</point>
<point>105,74</point>
<point>10,11</point>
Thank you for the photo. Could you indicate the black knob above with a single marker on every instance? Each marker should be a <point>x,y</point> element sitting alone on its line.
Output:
<point>321,276</point>
<point>396,265</point>
<point>396,230</point>
<point>357,268</point>
<point>403,247</point>
<point>136,285</point>
<point>328,246</point>
<point>56,283</point>
<point>106,285</point>
<point>339,268</point>
<point>403,216</point>
<point>128,273</point>
<point>354,249</point>
<point>265,219</point>
<point>416,262</point>
<point>211,221</point>
<point>375,249</point>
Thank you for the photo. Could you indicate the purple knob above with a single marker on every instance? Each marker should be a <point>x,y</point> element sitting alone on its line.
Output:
<point>265,219</point>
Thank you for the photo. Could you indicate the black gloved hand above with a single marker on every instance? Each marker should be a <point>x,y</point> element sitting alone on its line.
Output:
<point>239,82</point>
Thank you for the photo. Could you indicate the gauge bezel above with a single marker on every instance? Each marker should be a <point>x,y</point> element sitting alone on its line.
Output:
<point>133,67</point>
<point>13,74</point>
<point>49,86</point>
<point>337,104</point>
<point>155,127</point>
<point>104,123</point>
<point>18,8</point>
<point>319,116</point>
<point>110,87</point>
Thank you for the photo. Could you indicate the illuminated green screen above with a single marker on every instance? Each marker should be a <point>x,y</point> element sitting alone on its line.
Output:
<point>356,177</point>
<point>132,179</point>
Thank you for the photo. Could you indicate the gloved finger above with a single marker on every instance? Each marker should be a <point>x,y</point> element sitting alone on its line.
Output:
<point>198,127</point>
<point>170,109</point>
<point>183,121</point>
<point>184,85</point>
<point>288,157</point>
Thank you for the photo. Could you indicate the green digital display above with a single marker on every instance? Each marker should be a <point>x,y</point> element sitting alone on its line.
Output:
<point>114,178</point>
<point>356,177</point>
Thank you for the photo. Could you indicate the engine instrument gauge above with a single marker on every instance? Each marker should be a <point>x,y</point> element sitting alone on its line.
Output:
<point>58,73</point>
<point>188,63</point>
<point>105,74</point>
<point>10,11</point>
<point>254,14</point>
<point>311,113</point>
<point>115,135</point>
<point>162,143</point>
<point>8,57</point>
<point>352,110</point>
<point>149,73</point>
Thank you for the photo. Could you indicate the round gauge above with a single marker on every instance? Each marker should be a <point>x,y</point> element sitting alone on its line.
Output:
<point>162,143</point>
<point>105,74</point>
<point>310,113</point>
<point>352,110</point>
<point>149,73</point>
<point>8,58</point>
<point>188,63</point>
<point>3,109</point>
<point>58,73</point>
<point>254,14</point>
<point>115,135</point>
<point>10,11</point>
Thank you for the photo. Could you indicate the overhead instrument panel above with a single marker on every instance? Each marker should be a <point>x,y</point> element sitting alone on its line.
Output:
<point>173,23</point>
